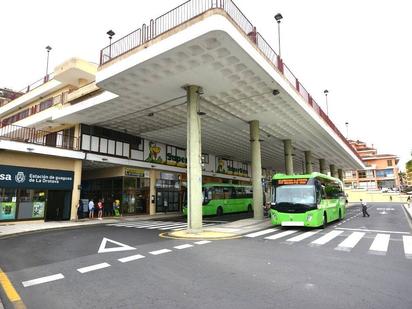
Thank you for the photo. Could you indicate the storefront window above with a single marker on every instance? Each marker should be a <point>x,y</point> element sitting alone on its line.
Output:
<point>8,199</point>
<point>31,204</point>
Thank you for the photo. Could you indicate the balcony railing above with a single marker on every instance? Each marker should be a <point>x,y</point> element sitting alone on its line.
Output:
<point>193,8</point>
<point>39,137</point>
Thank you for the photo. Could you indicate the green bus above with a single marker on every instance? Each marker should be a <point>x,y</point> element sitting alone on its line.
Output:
<point>311,200</point>
<point>222,198</point>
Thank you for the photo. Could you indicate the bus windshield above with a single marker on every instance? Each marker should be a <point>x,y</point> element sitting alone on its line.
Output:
<point>296,194</point>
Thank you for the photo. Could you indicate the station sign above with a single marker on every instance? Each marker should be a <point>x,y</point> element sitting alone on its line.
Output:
<point>35,178</point>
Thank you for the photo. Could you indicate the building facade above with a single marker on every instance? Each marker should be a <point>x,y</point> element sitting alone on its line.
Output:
<point>381,170</point>
<point>198,101</point>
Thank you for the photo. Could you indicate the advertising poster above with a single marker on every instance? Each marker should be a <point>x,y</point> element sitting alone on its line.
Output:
<point>7,210</point>
<point>38,210</point>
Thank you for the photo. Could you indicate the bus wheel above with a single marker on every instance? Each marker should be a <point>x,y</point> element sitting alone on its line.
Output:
<point>219,211</point>
<point>340,215</point>
<point>325,220</point>
<point>249,208</point>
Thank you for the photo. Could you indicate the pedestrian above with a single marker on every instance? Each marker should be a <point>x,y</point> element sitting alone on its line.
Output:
<point>100,210</point>
<point>79,210</point>
<point>408,201</point>
<point>390,198</point>
<point>364,208</point>
<point>91,209</point>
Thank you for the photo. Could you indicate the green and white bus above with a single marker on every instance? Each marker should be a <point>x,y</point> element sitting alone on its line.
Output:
<point>311,200</point>
<point>222,198</point>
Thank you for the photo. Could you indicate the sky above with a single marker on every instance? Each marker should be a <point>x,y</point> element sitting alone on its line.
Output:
<point>361,51</point>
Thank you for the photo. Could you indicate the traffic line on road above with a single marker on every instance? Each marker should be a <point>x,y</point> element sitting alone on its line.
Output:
<point>42,280</point>
<point>350,242</point>
<point>202,242</point>
<point>380,244</point>
<point>161,251</point>
<point>131,258</point>
<point>280,235</point>
<point>93,267</point>
<point>180,247</point>
<point>302,236</point>
<point>407,246</point>
<point>10,291</point>
<point>260,233</point>
<point>325,238</point>
<point>365,230</point>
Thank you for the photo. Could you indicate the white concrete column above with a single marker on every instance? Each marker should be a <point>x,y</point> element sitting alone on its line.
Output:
<point>153,174</point>
<point>256,170</point>
<point>322,166</point>
<point>287,144</point>
<point>194,161</point>
<point>340,174</point>
<point>77,180</point>
<point>332,170</point>
<point>308,162</point>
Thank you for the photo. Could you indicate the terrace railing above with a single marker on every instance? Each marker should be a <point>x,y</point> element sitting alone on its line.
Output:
<point>39,137</point>
<point>193,8</point>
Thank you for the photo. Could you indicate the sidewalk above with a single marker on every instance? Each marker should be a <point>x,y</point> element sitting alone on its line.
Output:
<point>13,228</point>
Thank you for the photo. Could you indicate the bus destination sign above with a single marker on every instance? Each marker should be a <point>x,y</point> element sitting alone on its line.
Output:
<point>295,181</point>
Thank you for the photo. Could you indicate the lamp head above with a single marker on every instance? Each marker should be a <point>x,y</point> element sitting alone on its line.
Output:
<point>110,33</point>
<point>278,17</point>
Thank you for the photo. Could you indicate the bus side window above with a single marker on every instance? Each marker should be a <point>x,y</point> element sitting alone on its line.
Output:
<point>240,192</point>
<point>227,192</point>
<point>318,193</point>
<point>218,193</point>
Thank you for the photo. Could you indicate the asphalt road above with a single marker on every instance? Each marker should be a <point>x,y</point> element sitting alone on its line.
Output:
<point>259,271</point>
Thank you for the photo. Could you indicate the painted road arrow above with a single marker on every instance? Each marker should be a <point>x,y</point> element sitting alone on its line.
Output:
<point>120,246</point>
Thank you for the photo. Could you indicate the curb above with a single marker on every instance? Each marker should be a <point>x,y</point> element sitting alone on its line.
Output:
<point>79,225</point>
<point>408,210</point>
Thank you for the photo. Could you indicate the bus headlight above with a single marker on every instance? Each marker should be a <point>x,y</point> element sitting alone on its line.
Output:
<point>309,218</point>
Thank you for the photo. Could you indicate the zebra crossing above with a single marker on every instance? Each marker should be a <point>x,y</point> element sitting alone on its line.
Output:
<point>156,225</point>
<point>345,240</point>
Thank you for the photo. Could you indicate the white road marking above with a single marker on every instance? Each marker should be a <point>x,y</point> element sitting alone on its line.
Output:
<point>380,244</point>
<point>161,251</point>
<point>260,233</point>
<point>350,241</point>
<point>280,235</point>
<point>407,246</point>
<point>131,258</point>
<point>92,267</point>
<point>42,280</point>
<point>120,246</point>
<point>377,231</point>
<point>326,238</point>
<point>303,236</point>
<point>169,227</point>
<point>183,246</point>
<point>202,242</point>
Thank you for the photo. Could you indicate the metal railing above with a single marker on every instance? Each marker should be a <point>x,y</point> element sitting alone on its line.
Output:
<point>39,137</point>
<point>193,8</point>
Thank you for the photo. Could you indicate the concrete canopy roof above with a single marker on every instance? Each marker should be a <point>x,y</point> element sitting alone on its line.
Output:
<point>147,98</point>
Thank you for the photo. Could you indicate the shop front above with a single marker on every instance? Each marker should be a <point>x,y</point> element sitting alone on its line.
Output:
<point>131,189</point>
<point>33,193</point>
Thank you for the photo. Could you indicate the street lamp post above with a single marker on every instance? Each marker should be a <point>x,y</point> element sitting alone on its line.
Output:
<point>347,130</point>
<point>46,77</point>
<point>110,33</point>
<point>326,97</point>
<point>278,17</point>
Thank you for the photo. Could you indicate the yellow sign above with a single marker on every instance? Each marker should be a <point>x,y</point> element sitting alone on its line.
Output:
<point>134,172</point>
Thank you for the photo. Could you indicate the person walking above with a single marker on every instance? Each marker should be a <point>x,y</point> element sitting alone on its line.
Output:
<point>79,210</point>
<point>100,210</point>
<point>91,209</point>
<point>364,208</point>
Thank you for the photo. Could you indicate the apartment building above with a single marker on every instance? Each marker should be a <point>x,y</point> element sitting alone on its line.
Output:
<point>381,169</point>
